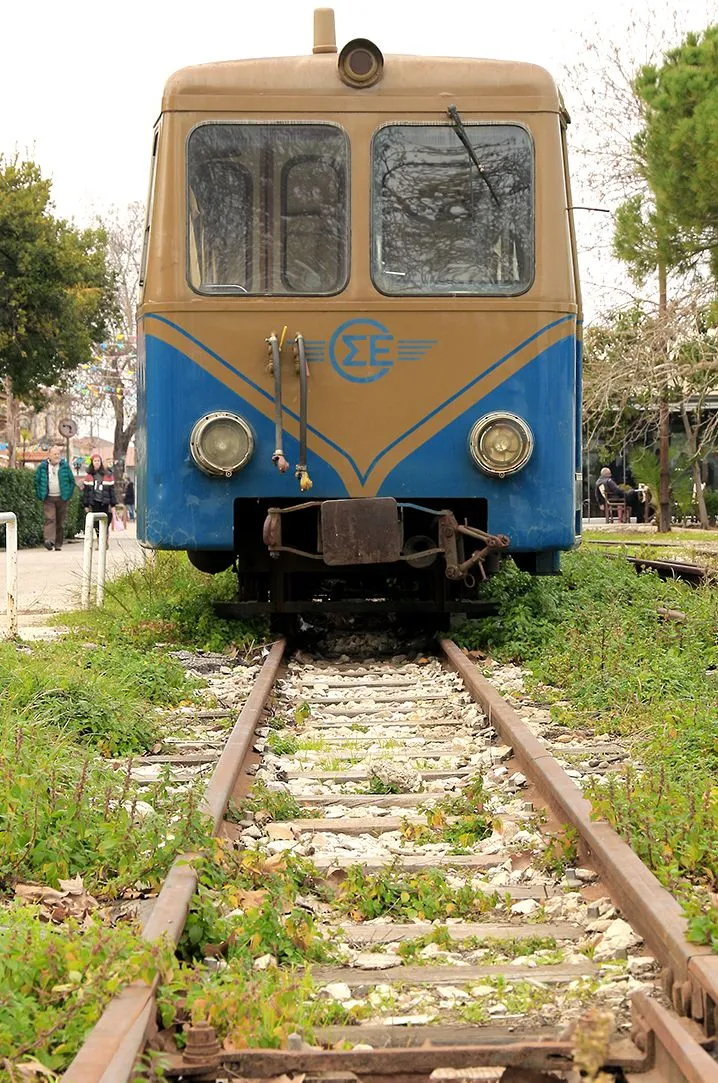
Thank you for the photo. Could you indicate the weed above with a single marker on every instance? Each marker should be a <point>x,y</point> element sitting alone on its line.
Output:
<point>55,982</point>
<point>65,814</point>
<point>245,907</point>
<point>246,1007</point>
<point>282,744</point>
<point>702,922</point>
<point>425,896</point>
<point>275,804</point>
<point>595,636</point>
<point>560,852</point>
<point>378,786</point>
<point>672,824</point>
<point>312,744</point>
<point>169,600</point>
<point>457,819</point>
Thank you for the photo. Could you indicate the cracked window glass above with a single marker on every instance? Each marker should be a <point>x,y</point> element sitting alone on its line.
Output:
<point>268,208</point>
<point>438,227</point>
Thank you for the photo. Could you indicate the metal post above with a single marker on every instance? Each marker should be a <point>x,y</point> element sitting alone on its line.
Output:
<point>102,557</point>
<point>90,519</point>
<point>10,520</point>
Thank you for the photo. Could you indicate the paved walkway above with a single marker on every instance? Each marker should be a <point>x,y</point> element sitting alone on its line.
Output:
<point>50,582</point>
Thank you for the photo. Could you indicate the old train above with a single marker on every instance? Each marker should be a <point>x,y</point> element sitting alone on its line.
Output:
<point>360,327</point>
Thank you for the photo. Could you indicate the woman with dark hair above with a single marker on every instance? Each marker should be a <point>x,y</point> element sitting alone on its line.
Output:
<point>98,490</point>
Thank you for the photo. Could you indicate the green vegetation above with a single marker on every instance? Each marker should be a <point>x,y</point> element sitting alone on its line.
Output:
<point>102,694</point>
<point>493,949</point>
<point>17,493</point>
<point>457,819</point>
<point>245,907</point>
<point>282,744</point>
<point>595,635</point>
<point>274,805</point>
<point>169,601</point>
<point>560,852</point>
<point>66,814</point>
<point>425,896</point>
<point>55,982</point>
<point>56,286</point>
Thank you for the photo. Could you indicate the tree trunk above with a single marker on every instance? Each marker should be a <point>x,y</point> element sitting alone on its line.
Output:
<point>664,428</point>
<point>11,424</point>
<point>122,437</point>
<point>692,435</point>
<point>664,505</point>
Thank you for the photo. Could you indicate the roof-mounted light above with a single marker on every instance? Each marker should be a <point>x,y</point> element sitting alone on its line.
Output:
<point>360,63</point>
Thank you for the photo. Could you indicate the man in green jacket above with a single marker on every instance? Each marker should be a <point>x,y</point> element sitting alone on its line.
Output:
<point>54,485</point>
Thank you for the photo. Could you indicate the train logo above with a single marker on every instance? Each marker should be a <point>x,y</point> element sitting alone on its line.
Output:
<point>363,350</point>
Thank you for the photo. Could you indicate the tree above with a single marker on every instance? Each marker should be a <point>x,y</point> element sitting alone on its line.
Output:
<point>679,140</point>
<point>646,240</point>
<point>56,293</point>
<point>643,364</point>
<point>124,232</point>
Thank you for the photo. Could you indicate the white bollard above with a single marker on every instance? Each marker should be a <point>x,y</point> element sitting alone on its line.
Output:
<point>102,558</point>
<point>9,518</point>
<point>90,519</point>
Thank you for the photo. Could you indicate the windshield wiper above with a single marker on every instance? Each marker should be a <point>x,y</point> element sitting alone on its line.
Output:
<point>458,126</point>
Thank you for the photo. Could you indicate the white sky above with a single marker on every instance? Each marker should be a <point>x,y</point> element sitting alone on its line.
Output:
<point>81,82</point>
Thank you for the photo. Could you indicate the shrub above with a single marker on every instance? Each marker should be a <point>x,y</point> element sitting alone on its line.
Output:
<point>17,493</point>
<point>170,601</point>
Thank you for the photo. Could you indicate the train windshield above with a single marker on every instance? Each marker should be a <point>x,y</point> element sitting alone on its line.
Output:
<point>268,208</point>
<point>437,227</point>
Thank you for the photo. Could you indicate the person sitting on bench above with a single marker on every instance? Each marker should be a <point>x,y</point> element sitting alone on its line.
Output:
<point>609,493</point>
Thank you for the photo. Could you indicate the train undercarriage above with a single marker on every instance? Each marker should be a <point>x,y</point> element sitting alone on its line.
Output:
<point>368,555</point>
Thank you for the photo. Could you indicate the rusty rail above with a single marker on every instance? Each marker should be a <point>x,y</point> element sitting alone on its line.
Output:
<point>117,1039</point>
<point>666,1048</point>
<point>690,972</point>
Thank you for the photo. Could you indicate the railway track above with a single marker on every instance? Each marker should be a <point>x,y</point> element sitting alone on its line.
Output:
<point>459,938</point>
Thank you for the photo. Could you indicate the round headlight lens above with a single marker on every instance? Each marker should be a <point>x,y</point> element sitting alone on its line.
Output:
<point>221,444</point>
<point>501,444</point>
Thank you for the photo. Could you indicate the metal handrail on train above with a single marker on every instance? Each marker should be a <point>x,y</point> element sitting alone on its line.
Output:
<point>275,367</point>
<point>301,473</point>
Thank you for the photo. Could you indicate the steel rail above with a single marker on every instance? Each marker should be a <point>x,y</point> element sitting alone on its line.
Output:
<point>690,971</point>
<point>673,1050</point>
<point>109,1052</point>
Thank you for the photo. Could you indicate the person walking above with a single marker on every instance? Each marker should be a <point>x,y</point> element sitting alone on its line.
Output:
<point>98,491</point>
<point>54,485</point>
<point>130,500</point>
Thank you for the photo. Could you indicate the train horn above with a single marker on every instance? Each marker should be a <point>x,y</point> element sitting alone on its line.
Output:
<point>325,38</point>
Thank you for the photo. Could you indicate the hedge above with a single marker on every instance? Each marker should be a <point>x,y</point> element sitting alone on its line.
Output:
<point>17,493</point>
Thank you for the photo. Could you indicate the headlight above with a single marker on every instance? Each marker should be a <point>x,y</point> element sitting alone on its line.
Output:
<point>501,444</point>
<point>221,443</point>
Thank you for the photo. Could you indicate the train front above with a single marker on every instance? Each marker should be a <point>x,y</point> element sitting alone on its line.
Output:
<point>360,328</point>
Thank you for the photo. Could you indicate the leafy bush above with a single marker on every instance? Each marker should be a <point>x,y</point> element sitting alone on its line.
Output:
<point>170,601</point>
<point>595,635</point>
<point>17,493</point>
<point>56,981</point>
<point>66,815</point>
<point>711,498</point>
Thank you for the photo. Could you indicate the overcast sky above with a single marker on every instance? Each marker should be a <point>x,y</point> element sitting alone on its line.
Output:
<point>81,82</point>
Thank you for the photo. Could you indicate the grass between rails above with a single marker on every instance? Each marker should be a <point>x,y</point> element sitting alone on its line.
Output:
<point>596,637</point>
